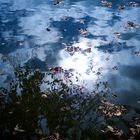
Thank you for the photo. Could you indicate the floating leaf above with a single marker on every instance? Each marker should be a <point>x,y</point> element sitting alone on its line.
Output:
<point>138,125</point>
<point>110,128</point>
<point>133,131</point>
<point>44,96</point>
<point>18,129</point>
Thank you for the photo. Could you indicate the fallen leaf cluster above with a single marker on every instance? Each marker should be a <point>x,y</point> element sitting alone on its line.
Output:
<point>110,109</point>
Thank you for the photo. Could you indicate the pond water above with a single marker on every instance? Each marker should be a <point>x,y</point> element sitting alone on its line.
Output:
<point>96,40</point>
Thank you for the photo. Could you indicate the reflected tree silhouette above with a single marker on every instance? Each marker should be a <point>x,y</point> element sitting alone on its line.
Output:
<point>27,112</point>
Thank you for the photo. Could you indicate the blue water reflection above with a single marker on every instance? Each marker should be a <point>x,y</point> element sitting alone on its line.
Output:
<point>37,33</point>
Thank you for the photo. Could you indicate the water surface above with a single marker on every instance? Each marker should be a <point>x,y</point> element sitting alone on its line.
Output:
<point>92,39</point>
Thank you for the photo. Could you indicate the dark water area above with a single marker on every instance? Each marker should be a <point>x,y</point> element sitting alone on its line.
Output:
<point>90,37</point>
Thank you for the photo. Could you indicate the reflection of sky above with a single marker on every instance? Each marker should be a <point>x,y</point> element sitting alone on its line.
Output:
<point>24,38</point>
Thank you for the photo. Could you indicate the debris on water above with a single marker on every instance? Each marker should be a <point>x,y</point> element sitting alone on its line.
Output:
<point>114,130</point>
<point>56,69</point>
<point>11,112</point>
<point>135,130</point>
<point>131,138</point>
<point>138,102</point>
<point>138,125</point>
<point>107,59</point>
<point>121,7</point>
<point>114,96</point>
<point>137,53</point>
<point>110,128</point>
<point>133,4</point>
<point>80,21</point>
<point>98,73</point>
<point>131,25</point>
<point>44,95</point>
<point>117,34</point>
<point>18,129</point>
<point>48,29</point>
<point>68,73</point>
<point>3,43</point>
<point>106,3</point>
<point>64,30</point>
<point>115,68</point>
<point>54,136</point>
<point>20,43</point>
<point>110,109</point>
<point>57,2</point>
<point>84,32</point>
<point>28,110</point>
<point>66,18</point>
<point>17,103</point>
<point>72,49</point>
<point>88,50</point>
